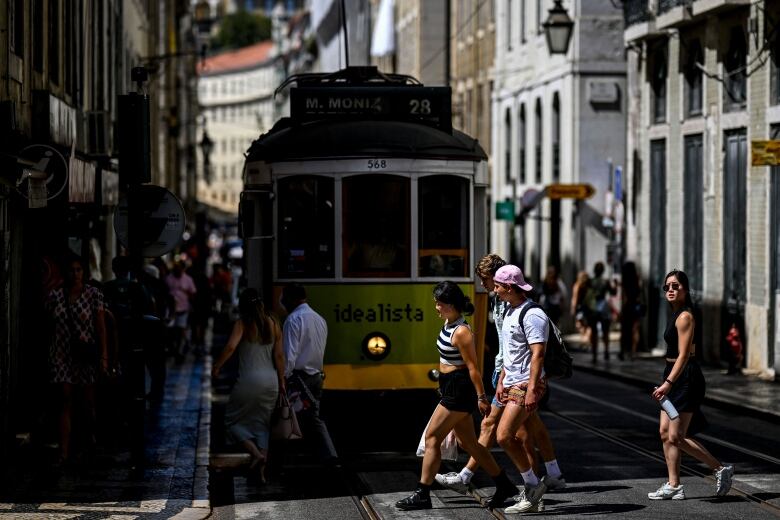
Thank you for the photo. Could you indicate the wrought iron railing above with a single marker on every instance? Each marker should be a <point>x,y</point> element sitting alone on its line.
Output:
<point>666,5</point>
<point>636,11</point>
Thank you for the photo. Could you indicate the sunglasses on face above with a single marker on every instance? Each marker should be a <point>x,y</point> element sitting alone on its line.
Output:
<point>673,286</point>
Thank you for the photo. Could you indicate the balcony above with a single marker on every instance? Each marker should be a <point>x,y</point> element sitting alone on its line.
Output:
<point>673,12</point>
<point>639,19</point>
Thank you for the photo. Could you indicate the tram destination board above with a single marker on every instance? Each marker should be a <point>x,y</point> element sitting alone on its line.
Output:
<point>429,105</point>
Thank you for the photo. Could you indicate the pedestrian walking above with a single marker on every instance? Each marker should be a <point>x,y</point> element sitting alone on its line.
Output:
<point>258,339</point>
<point>683,384</point>
<point>305,337</point>
<point>553,295</point>
<point>631,310</point>
<point>460,384</point>
<point>522,382</point>
<point>78,349</point>
<point>533,432</point>
<point>578,309</point>
<point>182,290</point>
<point>599,312</point>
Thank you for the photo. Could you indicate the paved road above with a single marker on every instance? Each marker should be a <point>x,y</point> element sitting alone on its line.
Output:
<point>606,437</point>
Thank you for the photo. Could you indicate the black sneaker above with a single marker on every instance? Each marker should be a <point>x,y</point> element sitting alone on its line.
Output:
<point>414,501</point>
<point>503,492</point>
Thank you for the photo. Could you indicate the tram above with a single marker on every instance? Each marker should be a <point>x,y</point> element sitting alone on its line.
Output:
<point>367,197</point>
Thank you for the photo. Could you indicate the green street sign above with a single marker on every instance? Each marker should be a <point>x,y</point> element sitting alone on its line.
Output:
<point>505,210</point>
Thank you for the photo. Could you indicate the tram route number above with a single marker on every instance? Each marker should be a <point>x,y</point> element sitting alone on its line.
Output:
<point>420,106</point>
<point>377,164</point>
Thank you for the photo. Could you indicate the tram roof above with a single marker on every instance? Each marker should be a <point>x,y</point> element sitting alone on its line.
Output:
<point>293,141</point>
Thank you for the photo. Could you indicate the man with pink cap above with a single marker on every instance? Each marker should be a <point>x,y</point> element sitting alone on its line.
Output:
<point>522,382</point>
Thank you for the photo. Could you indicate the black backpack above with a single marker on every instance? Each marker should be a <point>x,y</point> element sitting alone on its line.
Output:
<point>557,360</point>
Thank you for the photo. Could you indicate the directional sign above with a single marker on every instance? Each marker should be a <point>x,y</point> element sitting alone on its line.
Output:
<point>163,220</point>
<point>765,153</point>
<point>570,191</point>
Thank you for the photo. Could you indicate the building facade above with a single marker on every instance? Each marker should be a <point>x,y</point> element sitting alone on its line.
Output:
<point>236,95</point>
<point>556,119</point>
<point>704,83</point>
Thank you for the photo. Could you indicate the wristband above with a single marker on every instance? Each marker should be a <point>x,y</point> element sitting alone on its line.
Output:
<point>670,382</point>
<point>483,398</point>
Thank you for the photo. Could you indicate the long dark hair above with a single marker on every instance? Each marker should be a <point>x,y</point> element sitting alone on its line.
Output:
<point>449,292</point>
<point>257,322</point>
<point>683,279</point>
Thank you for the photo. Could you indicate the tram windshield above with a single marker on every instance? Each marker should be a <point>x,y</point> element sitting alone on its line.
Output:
<point>443,216</point>
<point>376,221</point>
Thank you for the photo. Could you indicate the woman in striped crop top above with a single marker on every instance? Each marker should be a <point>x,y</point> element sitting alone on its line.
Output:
<point>460,384</point>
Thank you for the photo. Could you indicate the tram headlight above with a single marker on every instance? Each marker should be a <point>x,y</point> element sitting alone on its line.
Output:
<point>376,346</point>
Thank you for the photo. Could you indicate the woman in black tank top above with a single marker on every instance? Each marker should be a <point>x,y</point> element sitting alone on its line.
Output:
<point>684,386</point>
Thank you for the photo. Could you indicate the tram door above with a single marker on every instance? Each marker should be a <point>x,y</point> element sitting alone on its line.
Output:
<point>734,231</point>
<point>656,303</point>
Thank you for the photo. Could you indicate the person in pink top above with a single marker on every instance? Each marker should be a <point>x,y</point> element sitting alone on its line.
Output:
<point>182,290</point>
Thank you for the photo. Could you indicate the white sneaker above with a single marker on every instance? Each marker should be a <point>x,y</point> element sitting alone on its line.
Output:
<point>452,481</point>
<point>554,483</point>
<point>524,506</point>
<point>723,478</point>
<point>667,492</point>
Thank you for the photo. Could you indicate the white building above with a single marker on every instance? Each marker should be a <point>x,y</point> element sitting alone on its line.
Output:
<point>556,119</point>
<point>235,91</point>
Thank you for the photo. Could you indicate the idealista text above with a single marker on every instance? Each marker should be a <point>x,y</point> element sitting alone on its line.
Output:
<point>381,312</point>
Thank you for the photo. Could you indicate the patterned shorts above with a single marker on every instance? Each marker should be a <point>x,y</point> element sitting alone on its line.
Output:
<point>516,394</point>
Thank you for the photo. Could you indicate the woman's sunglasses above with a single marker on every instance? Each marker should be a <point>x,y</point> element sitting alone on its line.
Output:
<point>673,286</point>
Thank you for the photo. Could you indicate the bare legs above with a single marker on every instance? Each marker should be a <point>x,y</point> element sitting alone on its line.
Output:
<point>66,413</point>
<point>259,457</point>
<point>673,436</point>
<point>511,420</point>
<point>487,433</point>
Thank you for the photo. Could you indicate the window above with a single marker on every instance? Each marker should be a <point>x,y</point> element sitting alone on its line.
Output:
<point>17,27</point>
<point>521,137</point>
<point>658,84</point>
<point>539,15</point>
<point>693,79</point>
<point>774,74</point>
<point>538,143</point>
<point>306,227</point>
<point>54,42</point>
<point>37,42</point>
<point>376,226</point>
<point>443,226</point>
<point>522,21</point>
<point>693,217</point>
<point>735,77</point>
<point>508,146</point>
<point>509,25</point>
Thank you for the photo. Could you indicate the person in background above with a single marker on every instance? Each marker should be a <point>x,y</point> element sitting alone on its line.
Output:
<point>182,290</point>
<point>533,432</point>
<point>554,296</point>
<point>578,309</point>
<point>598,309</point>
<point>684,386</point>
<point>305,337</point>
<point>460,384</point>
<point>631,310</point>
<point>78,349</point>
<point>202,304</point>
<point>154,326</point>
<point>258,339</point>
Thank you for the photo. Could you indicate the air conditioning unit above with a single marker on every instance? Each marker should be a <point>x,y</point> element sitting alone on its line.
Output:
<point>96,132</point>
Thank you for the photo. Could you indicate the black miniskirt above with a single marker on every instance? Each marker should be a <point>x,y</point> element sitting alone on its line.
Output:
<point>687,392</point>
<point>457,391</point>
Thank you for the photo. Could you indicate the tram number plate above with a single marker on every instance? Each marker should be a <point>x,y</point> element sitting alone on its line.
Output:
<point>377,164</point>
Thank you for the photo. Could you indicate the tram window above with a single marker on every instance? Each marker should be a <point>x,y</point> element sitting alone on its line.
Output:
<point>306,225</point>
<point>376,232</point>
<point>443,226</point>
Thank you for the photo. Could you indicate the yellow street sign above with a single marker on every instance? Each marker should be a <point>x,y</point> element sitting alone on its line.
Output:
<point>570,191</point>
<point>765,153</point>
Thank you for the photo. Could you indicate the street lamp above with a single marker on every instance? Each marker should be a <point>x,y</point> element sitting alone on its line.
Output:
<point>558,29</point>
<point>206,147</point>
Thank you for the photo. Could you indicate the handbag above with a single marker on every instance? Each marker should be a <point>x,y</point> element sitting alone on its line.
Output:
<point>449,446</point>
<point>284,423</point>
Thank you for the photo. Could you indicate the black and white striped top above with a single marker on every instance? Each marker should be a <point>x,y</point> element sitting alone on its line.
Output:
<point>449,355</point>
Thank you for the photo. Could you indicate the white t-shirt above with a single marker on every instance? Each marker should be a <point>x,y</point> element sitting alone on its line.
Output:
<point>517,355</point>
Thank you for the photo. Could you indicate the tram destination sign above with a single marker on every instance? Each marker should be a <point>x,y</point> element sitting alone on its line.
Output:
<point>429,105</point>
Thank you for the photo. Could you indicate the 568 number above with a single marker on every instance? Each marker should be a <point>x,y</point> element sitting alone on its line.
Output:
<point>377,164</point>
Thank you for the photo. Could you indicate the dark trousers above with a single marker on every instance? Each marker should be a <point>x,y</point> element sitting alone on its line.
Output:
<point>314,428</point>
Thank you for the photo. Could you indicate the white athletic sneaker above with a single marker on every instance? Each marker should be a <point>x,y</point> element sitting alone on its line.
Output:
<point>452,481</point>
<point>554,483</point>
<point>524,506</point>
<point>667,492</point>
<point>723,478</point>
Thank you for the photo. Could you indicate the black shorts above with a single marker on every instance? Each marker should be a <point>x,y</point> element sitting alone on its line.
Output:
<point>687,392</point>
<point>457,391</point>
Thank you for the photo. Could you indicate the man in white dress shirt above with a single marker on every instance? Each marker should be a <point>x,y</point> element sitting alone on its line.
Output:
<point>305,335</point>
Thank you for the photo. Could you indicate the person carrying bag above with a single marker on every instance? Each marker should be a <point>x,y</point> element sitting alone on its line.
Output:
<point>284,424</point>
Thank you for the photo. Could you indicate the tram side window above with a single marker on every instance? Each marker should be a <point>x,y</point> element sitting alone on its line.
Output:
<point>305,220</point>
<point>443,226</point>
<point>376,226</point>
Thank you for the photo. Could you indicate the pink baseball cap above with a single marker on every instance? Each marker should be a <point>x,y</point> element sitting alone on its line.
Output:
<point>511,274</point>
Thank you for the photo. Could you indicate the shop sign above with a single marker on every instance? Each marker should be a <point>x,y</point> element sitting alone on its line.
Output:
<point>505,210</point>
<point>163,220</point>
<point>765,153</point>
<point>81,183</point>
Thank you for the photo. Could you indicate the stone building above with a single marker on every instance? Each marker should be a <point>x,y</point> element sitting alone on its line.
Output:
<point>704,82</point>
